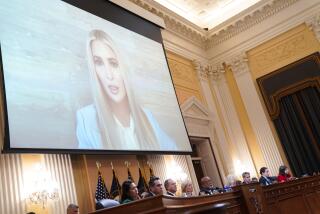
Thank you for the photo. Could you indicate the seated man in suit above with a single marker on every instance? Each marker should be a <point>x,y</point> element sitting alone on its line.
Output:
<point>155,187</point>
<point>207,187</point>
<point>171,187</point>
<point>246,178</point>
<point>265,178</point>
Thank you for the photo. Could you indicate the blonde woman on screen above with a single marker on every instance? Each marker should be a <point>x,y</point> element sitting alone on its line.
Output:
<point>115,120</point>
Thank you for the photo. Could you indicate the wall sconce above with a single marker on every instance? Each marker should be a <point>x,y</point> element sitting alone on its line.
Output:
<point>239,168</point>
<point>176,172</point>
<point>42,196</point>
<point>42,188</point>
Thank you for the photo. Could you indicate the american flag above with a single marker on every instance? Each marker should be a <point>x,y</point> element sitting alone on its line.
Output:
<point>101,190</point>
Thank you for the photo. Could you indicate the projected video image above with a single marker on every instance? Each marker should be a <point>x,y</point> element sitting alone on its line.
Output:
<point>76,81</point>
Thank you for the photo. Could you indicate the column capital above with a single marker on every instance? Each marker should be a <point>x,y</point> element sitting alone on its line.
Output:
<point>216,71</point>
<point>201,69</point>
<point>209,71</point>
<point>314,24</point>
<point>239,63</point>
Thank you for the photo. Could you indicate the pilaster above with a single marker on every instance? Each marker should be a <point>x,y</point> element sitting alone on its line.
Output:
<point>314,24</point>
<point>258,122</point>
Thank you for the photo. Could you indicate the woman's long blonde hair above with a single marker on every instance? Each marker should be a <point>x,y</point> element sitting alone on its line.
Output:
<point>110,136</point>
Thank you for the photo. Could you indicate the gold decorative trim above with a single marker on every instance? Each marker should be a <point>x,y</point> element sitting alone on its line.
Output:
<point>275,98</point>
<point>272,102</point>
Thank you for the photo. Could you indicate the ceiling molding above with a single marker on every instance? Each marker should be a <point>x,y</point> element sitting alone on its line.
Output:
<point>174,23</point>
<point>140,12</point>
<point>207,40</point>
<point>248,21</point>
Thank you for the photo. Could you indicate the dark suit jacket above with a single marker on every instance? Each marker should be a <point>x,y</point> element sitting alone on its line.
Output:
<point>265,181</point>
<point>170,194</point>
<point>150,194</point>
<point>210,191</point>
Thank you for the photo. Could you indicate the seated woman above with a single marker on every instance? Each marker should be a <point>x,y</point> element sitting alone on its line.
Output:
<point>129,192</point>
<point>187,189</point>
<point>284,175</point>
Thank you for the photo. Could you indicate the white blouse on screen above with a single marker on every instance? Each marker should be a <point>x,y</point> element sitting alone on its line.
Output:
<point>128,134</point>
<point>89,137</point>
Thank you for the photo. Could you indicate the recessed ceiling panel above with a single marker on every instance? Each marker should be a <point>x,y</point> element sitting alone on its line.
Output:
<point>207,13</point>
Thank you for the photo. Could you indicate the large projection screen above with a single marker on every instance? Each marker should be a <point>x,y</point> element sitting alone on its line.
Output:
<point>87,82</point>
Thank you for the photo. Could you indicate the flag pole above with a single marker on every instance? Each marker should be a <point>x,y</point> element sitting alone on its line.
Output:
<point>98,164</point>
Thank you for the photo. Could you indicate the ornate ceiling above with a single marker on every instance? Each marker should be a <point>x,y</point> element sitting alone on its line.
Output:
<point>230,27</point>
<point>208,13</point>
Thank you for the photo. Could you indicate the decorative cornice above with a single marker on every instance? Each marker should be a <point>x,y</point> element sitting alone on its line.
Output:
<point>248,21</point>
<point>174,24</point>
<point>206,40</point>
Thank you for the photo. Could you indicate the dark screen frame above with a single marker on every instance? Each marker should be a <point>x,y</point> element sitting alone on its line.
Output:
<point>122,17</point>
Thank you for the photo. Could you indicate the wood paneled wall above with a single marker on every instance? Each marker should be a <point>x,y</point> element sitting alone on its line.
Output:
<point>86,174</point>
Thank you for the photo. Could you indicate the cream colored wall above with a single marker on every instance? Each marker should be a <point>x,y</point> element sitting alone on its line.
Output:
<point>184,77</point>
<point>263,29</point>
<point>189,82</point>
<point>282,50</point>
